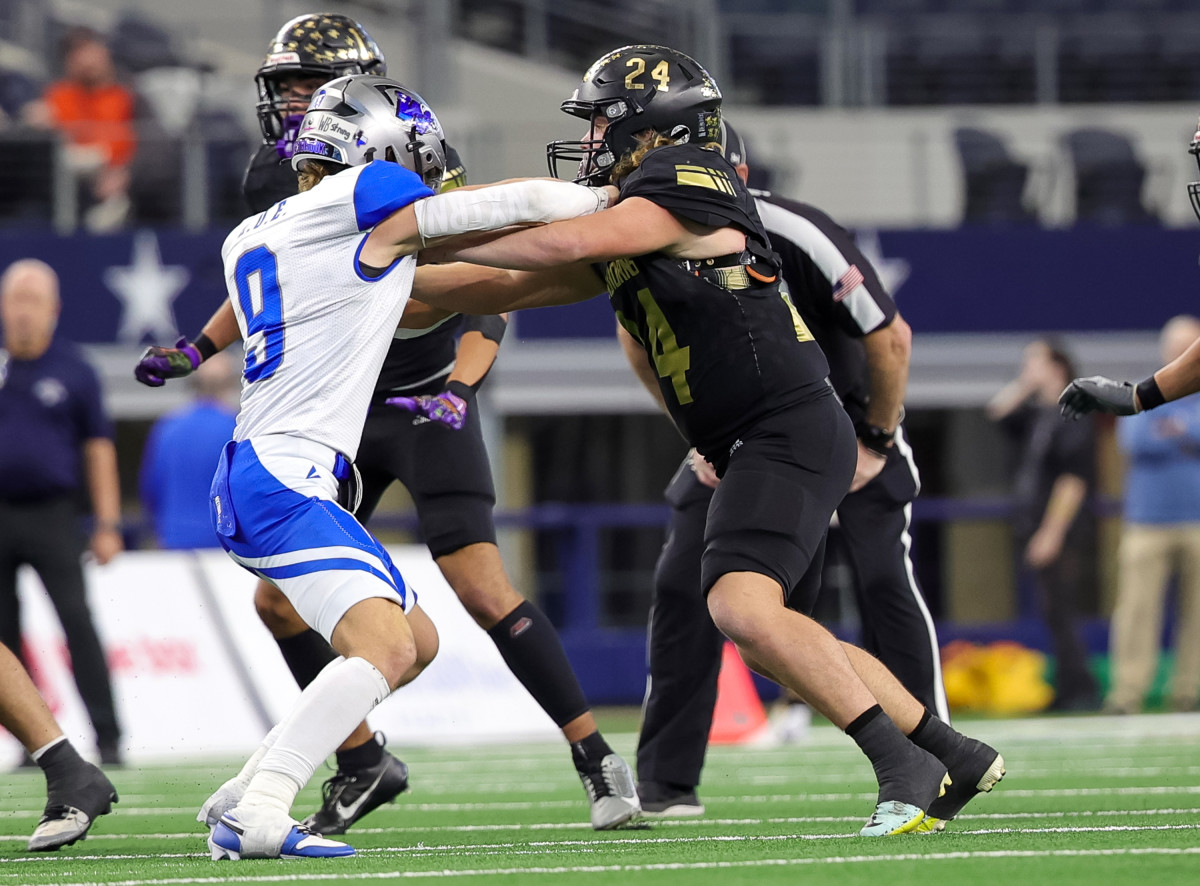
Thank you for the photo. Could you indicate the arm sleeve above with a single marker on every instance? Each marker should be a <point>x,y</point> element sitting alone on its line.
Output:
<point>492,208</point>
<point>490,326</point>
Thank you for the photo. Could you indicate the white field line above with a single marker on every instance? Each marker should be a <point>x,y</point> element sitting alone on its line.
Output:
<point>617,843</point>
<point>832,797</point>
<point>309,877</point>
<point>681,823</point>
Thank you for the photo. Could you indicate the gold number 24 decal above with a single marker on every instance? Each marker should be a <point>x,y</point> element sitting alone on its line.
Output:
<point>670,360</point>
<point>660,75</point>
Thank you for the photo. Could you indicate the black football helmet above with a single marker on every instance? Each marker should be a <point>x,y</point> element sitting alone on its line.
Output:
<point>315,45</point>
<point>1194,187</point>
<point>637,88</point>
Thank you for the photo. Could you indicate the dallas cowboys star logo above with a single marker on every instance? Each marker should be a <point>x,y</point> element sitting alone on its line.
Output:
<point>146,288</point>
<point>892,271</point>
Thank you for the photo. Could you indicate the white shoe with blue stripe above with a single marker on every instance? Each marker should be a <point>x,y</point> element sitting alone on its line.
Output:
<point>233,840</point>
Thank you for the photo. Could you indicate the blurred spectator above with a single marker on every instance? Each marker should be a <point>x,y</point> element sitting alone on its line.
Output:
<point>95,114</point>
<point>181,454</point>
<point>52,423</point>
<point>1161,538</point>
<point>1055,472</point>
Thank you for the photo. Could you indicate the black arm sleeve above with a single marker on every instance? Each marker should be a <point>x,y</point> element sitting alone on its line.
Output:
<point>490,326</point>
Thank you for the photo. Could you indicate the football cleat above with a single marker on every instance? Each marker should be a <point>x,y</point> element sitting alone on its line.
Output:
<point>611,793</point>
<point>663,801</point>
<point>233,840</point>
<point>892,817</point>
<point>73,811</point>
<point>975,769</point>
<point>221,801</point>
<point>348,796</point>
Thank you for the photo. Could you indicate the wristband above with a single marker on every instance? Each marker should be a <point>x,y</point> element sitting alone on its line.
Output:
<point>204,346</point>
<point>1149,395</point>
<point>107,526</point>
<point>461,389</point>
<point>878,440</point>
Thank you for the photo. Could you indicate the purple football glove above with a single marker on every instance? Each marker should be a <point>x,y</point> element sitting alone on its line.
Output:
<point>446,408</point>
<point>158,364</point>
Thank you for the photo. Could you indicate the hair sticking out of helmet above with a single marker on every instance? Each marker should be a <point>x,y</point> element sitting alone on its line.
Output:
<point>630,92</point>
<point>307,51</point>
<point>1194,187</point>
<point>354,120</point>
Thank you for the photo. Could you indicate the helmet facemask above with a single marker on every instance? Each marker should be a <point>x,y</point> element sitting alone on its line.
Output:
<point>1194,187</point>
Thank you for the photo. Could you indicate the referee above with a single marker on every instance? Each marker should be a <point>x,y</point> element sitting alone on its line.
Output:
<point>55,442</point>
<point>867,343</point>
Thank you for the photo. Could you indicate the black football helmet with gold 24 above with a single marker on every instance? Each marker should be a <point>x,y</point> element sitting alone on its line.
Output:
<point>638,88</point>
<point>321,44</point>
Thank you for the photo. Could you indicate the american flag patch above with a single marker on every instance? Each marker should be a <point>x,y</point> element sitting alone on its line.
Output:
<point>849,281</point>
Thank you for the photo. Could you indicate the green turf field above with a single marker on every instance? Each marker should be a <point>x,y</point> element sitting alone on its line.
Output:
<point>1087,800</point>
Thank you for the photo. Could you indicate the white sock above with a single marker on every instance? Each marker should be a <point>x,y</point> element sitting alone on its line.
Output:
<point>251,766</point>
<point>327,711</point>
<point>37,755</point>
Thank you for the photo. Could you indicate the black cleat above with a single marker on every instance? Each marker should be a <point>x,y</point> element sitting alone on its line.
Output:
<point>975,768</point>
<point>351,795</point>
<point>664,801</point>
<point>71,811</point>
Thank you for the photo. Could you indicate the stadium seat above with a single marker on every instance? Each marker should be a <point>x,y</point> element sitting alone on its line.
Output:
<point>993,182</point>
<point>1108,178</point>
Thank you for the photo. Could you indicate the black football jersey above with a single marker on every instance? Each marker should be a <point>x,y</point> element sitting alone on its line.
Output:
<point>416,357</point>
<point>834,287</point>
<point>725,356</point>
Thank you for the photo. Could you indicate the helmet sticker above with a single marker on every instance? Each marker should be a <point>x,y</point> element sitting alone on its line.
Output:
<point>413,111</point>
<point>319,148</point>
<point>283,58</point>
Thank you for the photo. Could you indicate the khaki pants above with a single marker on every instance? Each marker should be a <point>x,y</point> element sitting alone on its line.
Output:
<point>1150,554</point>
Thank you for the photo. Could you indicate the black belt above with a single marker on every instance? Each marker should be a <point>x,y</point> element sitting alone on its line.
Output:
<point>739,270</point>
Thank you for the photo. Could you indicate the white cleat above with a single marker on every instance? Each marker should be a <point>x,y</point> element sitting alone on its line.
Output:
<point>274,837</point>
<point>222,800</point>
<point>612,793</point>
<point>892,817</point>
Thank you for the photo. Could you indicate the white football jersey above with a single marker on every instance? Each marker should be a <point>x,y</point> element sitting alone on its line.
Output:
<point>316,328</point>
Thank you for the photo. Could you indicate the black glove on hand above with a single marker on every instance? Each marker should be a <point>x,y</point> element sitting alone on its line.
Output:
<point>1097,394</point>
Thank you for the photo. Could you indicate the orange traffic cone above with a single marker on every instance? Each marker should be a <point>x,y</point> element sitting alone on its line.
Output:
<point>739,716</point>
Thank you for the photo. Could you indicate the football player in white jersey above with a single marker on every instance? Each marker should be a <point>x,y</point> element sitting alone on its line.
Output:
<point>318,283</point>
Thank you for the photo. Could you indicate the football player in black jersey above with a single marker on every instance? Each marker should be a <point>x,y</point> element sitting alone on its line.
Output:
<point>693,279</point>
<point>867,343</point>
<point>439,456</point>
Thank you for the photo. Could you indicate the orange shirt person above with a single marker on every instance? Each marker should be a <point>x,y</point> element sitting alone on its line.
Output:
<point>90,107</point>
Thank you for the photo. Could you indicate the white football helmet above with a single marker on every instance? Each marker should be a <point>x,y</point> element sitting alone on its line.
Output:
<point>362,117</point>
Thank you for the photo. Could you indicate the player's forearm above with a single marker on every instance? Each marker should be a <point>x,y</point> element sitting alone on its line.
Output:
<point>476,355</point>
<point>1181,376</point>
<point>888,353</point>
<point>222,328</point>
<point>473,289</point>
<point>100,470</point>
<point>536,201</point>
<point>1066,498</point>
<point>635,354</point>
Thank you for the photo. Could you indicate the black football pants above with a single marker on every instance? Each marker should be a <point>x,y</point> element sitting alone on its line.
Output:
<point>684,647</point>
<point>47,536</point>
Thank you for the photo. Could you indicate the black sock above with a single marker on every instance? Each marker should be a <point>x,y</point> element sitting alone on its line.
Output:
<point>530,647</point>
<point>590,751</point>
<point>936,736</point>
<point>61,764</point>
<point>890,753</point>
<point>306,655</point>
<point>364,756</point>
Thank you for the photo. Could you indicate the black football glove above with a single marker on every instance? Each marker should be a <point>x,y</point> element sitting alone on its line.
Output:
<point>1097,394</point>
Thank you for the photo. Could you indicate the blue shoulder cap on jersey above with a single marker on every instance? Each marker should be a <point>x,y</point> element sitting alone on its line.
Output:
<point>381,189</point>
